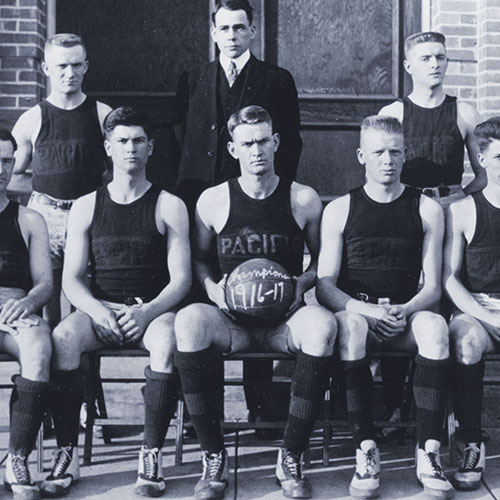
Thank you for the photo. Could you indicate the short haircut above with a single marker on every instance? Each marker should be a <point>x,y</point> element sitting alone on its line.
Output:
<point>383,123</point>
<point>5,135</point>
<point>234,5</point>
<point>423,37</point>
<point>248,116</point>
<point>64,40</point>
<point>486,132</point>
<point>127,116</point>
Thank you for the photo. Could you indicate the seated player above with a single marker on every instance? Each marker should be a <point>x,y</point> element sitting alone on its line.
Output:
<point>375,242</point>
<point>472,281</point>
<point>25,287</point>
<point>135,237</point>
<point>232,219</point>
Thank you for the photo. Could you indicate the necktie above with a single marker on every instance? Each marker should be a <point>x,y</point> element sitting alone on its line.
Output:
<point>232,73</point>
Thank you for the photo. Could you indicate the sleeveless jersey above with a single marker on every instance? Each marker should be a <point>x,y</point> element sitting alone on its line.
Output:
<point>68,158</point>
<point>481,266</point>
<point>128,255</point>
<point>260,229</point>
<point>382,255</point>
<point>14,254</point>
<point>435,147</point>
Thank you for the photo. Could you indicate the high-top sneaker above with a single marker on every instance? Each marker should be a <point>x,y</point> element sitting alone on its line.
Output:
<point>215,477</point>
<point>65,471</point>
<point>366,480</point>
<point>468,476</point>
<point>289,475</point>
<point>150,481</point>
<point>430,473</point>
<point>18,480</point>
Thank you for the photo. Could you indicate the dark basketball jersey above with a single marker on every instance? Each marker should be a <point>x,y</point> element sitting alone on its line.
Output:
<point>435,147</point>
<point>14,254</point>
<point>68,158</point>
<point>128,256</point>
<point>260,229</point>
<point>481,266</point>
<point>382,255</point>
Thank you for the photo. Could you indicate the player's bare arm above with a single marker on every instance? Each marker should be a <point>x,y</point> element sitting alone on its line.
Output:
<point>467,119</point>
<point>394,109</point>
<point>460,227</point>
<point>306,208</point>
<point>433,226</point>
<point>34,231</point>
<point>211,214</point>
<point>25,132</point>
<point>75,265</point>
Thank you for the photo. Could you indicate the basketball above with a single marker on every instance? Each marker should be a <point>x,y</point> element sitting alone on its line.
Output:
<point>259,290</point>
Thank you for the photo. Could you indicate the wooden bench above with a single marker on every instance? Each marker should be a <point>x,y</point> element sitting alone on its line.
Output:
<point>39,440</point>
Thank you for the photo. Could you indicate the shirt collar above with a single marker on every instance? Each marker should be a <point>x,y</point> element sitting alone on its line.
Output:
<point>240,61</point>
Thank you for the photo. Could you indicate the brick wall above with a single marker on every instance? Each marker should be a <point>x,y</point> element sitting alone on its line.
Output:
<point>23,28</point>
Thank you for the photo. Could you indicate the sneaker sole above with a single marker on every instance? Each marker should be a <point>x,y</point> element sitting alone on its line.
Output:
<point>34,496</point>
<point>467,485</point>
<point>288,494</point>
<point>432,493</point>
<point>62,493</point>
<point>145,491</point>
<point>358,493</point>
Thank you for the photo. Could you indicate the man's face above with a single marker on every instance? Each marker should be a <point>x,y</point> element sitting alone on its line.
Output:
<point>254,146</point>
<point>129,147</point>
<point>6,163</point>
<point>232,33</point>
<point>427,63</point>
<point>66,67</point>
<point>383,155</point>
<point>490,160</point>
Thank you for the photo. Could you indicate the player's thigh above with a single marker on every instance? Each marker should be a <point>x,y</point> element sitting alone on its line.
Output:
<point>76,332</point>
<point>159,335</point>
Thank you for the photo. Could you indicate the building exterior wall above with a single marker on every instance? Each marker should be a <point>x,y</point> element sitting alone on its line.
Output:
<point>23,29</point>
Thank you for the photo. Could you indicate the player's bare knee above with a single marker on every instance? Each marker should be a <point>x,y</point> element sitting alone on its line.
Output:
<point>191,328</point>
<point>162,347</point>
<point>466,342</point>
<point>432,336</point>
<point>351,336</point>
<point>66,343</point>
<point>319,336</point>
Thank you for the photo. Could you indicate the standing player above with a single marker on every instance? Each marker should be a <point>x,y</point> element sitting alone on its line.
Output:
<point>436,125</point>
<point>375,242</point>
<point>472,280</point>
<point>136,239</point>
<point>436,128</point>
<point>62,139</point>
<point>25,287</point>
<point>233,219</point>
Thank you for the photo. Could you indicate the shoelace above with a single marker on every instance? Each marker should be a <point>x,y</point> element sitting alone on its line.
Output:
<point>370,461</point>
<point>471,457</point>
<point>62,459</point>
<point>437,470</point>
<point>20,469</point>
<point>292,463</point>
<point>213,465</point>
<point>150,462</point>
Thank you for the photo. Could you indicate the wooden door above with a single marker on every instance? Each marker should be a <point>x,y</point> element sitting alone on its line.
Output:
<point>345,55</point>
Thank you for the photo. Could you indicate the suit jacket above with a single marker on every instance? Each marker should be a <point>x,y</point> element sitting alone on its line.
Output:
<point>197,124</point>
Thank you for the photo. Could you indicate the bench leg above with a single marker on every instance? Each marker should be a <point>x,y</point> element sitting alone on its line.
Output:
<point>39,450</point>
<point>179,430</point>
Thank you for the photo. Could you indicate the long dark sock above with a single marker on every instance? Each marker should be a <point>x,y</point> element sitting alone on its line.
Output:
<point>430,384</point>
<point>28,402</point>
<point>200,377</point>
<point>359,388</point>
<point>309,382</point>
<point>467,391</point>
<point>160,398</point>
<point>66,400</point>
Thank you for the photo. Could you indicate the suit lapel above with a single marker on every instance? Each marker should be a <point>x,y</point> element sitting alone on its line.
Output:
<point>254,82</point>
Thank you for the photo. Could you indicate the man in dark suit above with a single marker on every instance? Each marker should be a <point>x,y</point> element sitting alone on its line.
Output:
<point>207,97</point>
